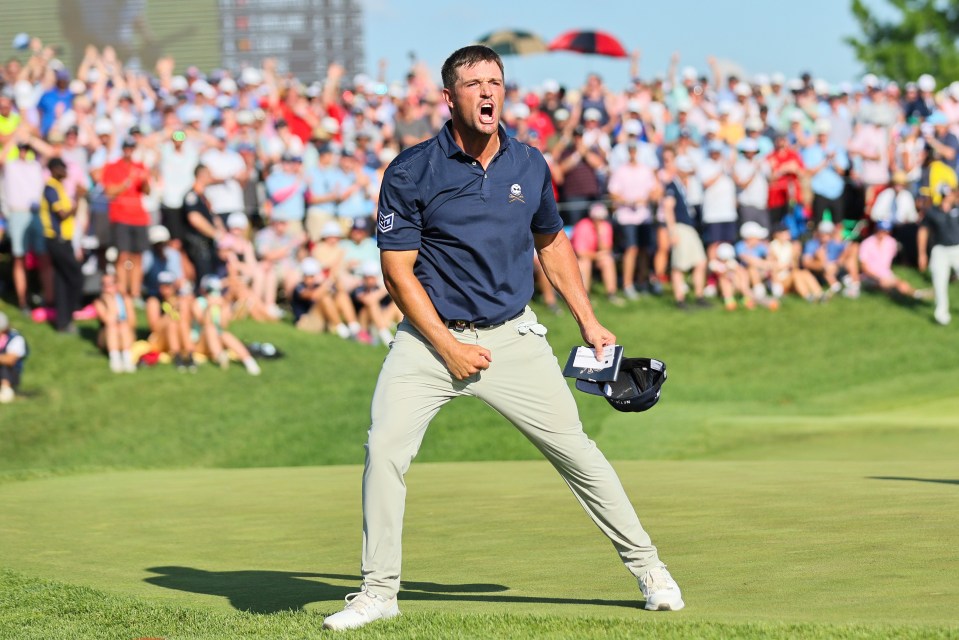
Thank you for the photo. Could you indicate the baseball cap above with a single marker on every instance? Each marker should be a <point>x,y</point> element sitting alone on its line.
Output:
<point>715,147</point>
<point>550,86</point>
<point>826,226</point>
<point>178,136</point>
<point>237,220</point>
<point>632,127</point>
<point>884,225</point>
<point>331,230</point>
<point>370,269</point>
<point>592,114</point>
<point>937,118</point>
<point>361,224</point>
<point>899,177</point>
<point>926,83</point>
<point>637,387</point>
<point>310,267</point>
<point>103,127</point>
<point>752,229</point>
<point>561,115</point>
<point>726,251</point>
<point>166,277</point>
<point>129,142</point>
<point>158,233</point>
<point>211,283</point>
<point>748,145</point>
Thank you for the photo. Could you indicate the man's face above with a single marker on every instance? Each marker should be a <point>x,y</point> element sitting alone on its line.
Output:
<point>6,106</point>
<point>476,100</point>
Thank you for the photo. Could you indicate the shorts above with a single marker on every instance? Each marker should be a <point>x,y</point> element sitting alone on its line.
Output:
<point>316,218</point>
<point>638,235</point>
<point>715,232</point>
<point>102,230</point>
<point>130,238</point>
<point>172,219</point>
<point>11,375</point>
<point>688,250</point>
<point>21,233</point>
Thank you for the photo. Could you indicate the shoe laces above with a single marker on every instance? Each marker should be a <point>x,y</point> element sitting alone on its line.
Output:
<point>657,579</point>
<point>360,600</point>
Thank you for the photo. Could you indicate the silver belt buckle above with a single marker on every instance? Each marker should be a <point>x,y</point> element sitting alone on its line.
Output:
<point>460,325</point>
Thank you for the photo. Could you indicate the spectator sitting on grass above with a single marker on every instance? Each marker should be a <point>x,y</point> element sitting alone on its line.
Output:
<point>161,257</point>
<point>787,275</point>
<point>376,310</point>
<point>312,300</point>
<point>876,254</point>
<point>829,257</point>
<point>687,254</point>
<point>278,247</point>
<point>897,205</point>
<point>117,325</point>
<point>168,315</point>
<point>731,277</point>
<point>753,252</point>
<point>211,318</point>
<point>13,352</point>
<point>329,252</point>
<point>593,243</point>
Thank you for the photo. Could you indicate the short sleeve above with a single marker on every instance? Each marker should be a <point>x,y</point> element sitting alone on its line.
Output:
<point>52,198</point>
<point>547,218</point>
<point>17,346</point>
<point>399,220</point>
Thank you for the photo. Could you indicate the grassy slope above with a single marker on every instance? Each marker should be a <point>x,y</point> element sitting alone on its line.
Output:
<point>866,381</point>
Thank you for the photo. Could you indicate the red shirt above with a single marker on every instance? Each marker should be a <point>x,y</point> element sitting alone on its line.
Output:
<point>786,187</point>
<point>127,206</point>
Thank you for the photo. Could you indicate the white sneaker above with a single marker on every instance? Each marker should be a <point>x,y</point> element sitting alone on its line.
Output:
<point>661,591</point>
<point>361,609</point>
<point>942,318</point>
<point>630,293</point>
<point>6,395</point>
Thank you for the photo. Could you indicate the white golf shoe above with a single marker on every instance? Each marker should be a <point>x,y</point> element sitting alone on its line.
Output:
<point>361,609</point>
<point>661,591</point>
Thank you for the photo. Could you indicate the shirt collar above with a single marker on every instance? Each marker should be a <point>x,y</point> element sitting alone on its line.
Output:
<point>450,148</point>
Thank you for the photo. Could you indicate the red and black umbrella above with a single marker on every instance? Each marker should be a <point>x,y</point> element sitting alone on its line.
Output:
<point>596,42</point>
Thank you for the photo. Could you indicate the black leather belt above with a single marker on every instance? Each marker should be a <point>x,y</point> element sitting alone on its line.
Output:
<point>462,325</point>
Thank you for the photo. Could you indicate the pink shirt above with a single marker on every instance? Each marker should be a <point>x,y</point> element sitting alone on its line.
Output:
<point>587,240</point>
<point>876,254</point>
<point>22,185</point>
<point>632,183</point>
<point>872,141</point>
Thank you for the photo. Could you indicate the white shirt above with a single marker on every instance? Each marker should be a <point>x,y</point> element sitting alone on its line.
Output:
<point>227,196</point>
<point>756,193</point>
<point>16,346</point>
<point>176,170</point>
<point>719,199</point>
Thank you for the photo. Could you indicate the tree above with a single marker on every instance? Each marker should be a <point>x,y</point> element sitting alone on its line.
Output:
<point>921,39</point>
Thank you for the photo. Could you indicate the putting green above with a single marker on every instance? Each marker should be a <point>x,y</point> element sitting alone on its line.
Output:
<point>855,542</point>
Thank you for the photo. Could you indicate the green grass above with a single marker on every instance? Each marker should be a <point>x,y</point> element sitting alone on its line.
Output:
<point>797,477</point>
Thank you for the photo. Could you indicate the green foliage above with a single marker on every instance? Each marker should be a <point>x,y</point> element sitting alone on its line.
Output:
<point>920,38</point>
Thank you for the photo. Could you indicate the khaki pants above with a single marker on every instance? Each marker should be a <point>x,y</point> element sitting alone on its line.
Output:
<point>525,385</point>
<point>942,261</point>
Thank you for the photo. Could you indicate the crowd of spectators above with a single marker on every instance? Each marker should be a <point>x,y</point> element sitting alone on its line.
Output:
<point>201,197</point>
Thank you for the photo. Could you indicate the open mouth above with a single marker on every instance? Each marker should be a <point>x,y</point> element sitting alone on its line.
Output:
<point>486,113</point>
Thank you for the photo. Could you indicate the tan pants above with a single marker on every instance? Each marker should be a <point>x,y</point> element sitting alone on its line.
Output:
<point>524,384</point>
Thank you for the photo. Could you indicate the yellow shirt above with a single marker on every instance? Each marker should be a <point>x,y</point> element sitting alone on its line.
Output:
<point>939,174</point>
<point>8,125</point>
<point>54,202</point>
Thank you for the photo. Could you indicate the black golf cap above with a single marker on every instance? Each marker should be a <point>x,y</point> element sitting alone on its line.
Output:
<point>637,386</point>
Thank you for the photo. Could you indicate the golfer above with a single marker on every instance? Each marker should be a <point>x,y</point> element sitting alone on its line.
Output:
<point>459,217</point>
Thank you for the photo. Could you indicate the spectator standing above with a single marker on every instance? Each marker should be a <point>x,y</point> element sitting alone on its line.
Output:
<point>13,352</point>
<point>356,189</point>
<point>200,227</point>
<point>57,214</point>
<point>322,195</point>
<point>719,200</point>
<point>687,254</point>
<point>22,189</point>
<point>578,164</point>
<point>785,191</point>
<point>593,245</point>
<point>228,171</point>
<point>178,161</point>
<point>826,165</point>
<point>633,188</point>
<point>125,182</point>
<point>749,174</point>
<point>286,193</point>
<point>896,205</point>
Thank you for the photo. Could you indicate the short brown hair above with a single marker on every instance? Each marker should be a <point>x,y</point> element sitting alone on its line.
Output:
<point>467,57</point>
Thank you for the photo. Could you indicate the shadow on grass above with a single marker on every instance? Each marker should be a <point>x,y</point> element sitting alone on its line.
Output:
<point>936,480</point>
<point>275,591</point>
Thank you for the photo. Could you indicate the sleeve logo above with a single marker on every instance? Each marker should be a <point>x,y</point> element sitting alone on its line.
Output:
<point>384,221</point>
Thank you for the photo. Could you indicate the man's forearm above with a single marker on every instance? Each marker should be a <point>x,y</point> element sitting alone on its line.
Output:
<point>559,264</point>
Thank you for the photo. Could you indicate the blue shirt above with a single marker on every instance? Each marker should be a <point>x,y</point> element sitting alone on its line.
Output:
<point>473,229</point>
<point>834,249</point>
<point>47,106</point>
<point>743,250</point>
<point>827,183</point>
<point>152,267</point>
<point>322,182</point>
<point>293,206</point>
<point>358,205</point>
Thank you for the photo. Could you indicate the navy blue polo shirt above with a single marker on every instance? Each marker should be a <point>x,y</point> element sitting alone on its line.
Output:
<point>473,228</point>
<point>681,210</point>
